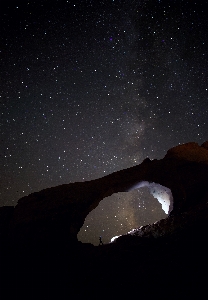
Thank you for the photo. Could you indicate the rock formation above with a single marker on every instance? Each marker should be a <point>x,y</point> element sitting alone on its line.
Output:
<point>39,235</point>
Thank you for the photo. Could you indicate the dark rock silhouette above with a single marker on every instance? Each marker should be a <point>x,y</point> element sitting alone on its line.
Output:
<point>100,241</point>
<point>39,236</point>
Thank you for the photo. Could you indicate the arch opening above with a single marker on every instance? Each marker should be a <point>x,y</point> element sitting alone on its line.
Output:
<point>121,212</point>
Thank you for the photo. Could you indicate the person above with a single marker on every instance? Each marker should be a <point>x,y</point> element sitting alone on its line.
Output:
<point>100,241</point>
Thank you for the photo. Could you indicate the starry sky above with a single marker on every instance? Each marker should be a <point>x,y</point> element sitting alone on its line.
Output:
<point>91,87</point>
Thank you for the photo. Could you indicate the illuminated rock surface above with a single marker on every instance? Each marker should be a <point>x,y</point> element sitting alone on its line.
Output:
<point>39,247</point>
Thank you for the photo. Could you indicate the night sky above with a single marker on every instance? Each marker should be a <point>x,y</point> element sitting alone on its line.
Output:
<point>91,87</point>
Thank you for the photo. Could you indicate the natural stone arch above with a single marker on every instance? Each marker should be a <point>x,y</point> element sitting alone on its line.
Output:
<point>55,215</point>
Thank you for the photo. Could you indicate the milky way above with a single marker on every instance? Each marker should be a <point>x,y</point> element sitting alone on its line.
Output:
<point>92,87</point>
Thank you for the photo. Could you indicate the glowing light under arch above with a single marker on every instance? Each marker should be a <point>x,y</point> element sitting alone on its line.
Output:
<point>160,192</point>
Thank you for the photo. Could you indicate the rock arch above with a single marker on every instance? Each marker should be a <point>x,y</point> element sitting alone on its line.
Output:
<point>56,214</point>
